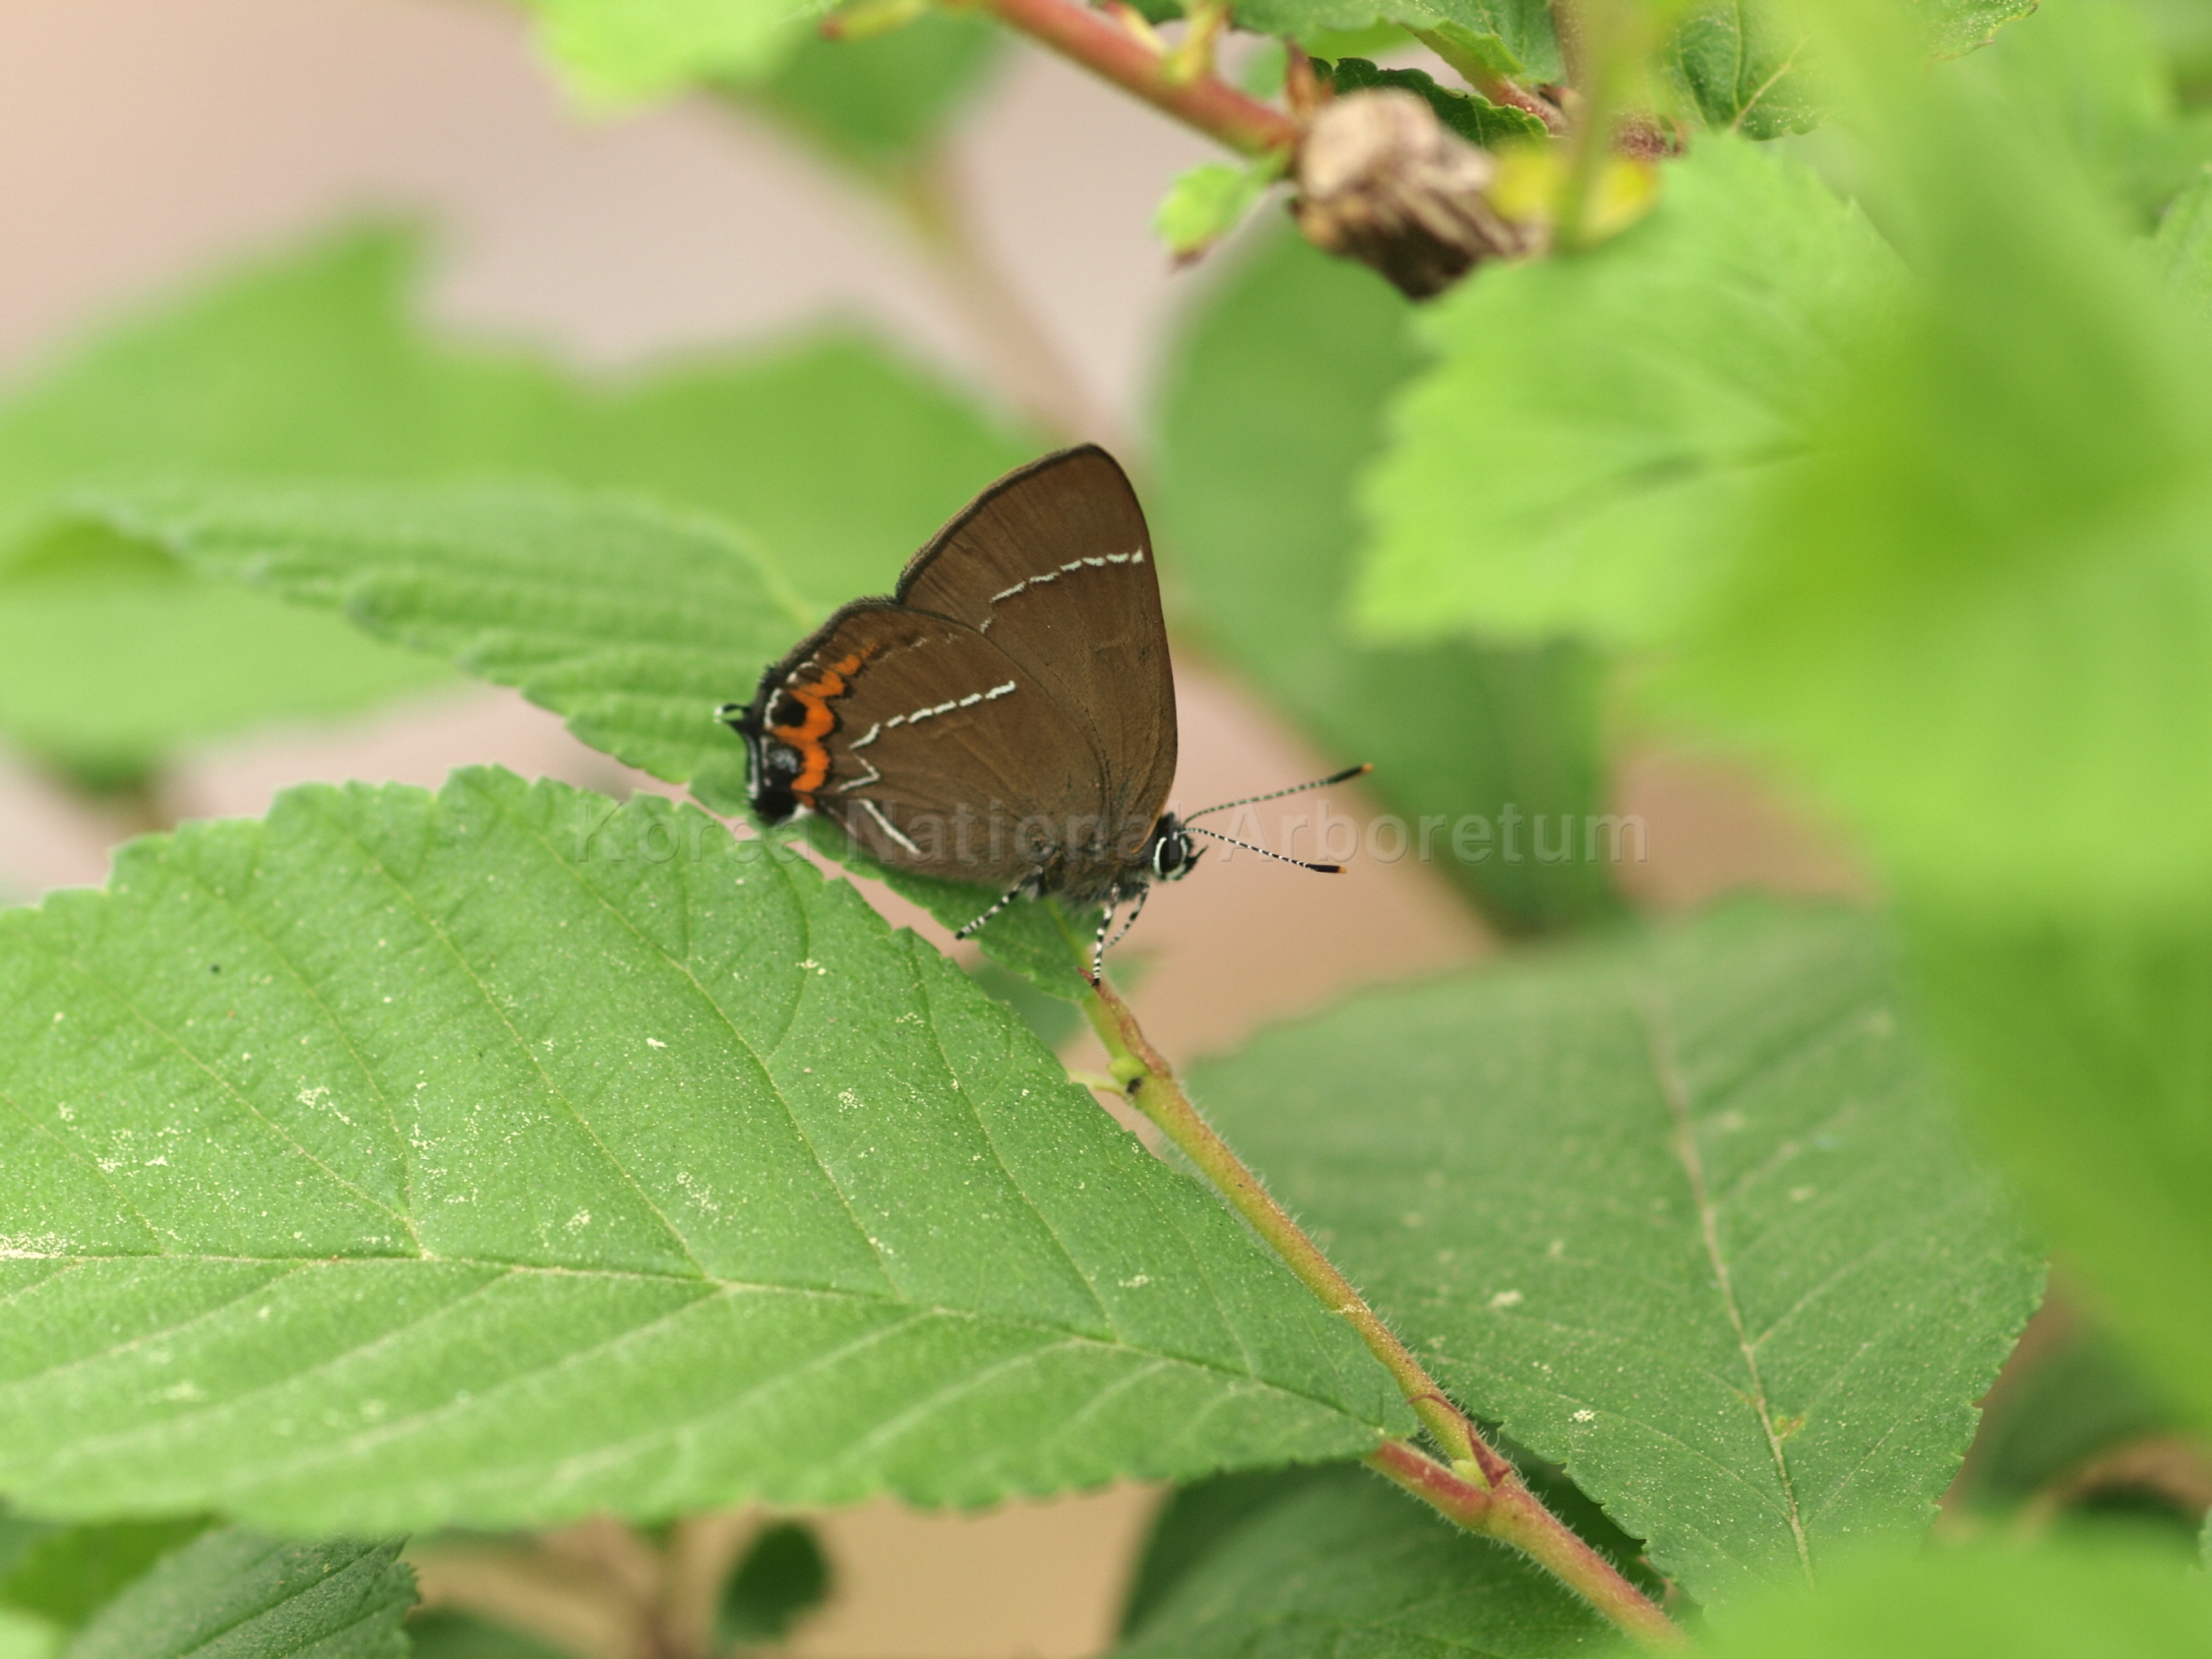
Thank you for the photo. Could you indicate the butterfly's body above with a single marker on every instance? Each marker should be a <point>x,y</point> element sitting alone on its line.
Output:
<point>1007,718</point>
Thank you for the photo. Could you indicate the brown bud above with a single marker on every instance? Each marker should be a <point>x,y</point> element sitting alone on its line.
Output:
<point>1381,180</point>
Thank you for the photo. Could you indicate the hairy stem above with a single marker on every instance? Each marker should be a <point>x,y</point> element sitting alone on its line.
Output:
<point>1108,50</point>
<point>1480,1489</point>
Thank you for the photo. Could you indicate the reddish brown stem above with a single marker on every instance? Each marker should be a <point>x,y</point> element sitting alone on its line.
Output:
<point>1105,48</point>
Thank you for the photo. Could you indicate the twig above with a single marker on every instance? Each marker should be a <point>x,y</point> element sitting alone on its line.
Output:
<point>1206,101</point>
<point>1481,1489</point>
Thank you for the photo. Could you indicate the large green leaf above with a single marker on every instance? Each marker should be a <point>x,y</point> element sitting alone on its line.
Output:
<point>309,367</point>
<point>2046,1603</point>
<point>1343,1564</point>
<point>1514,37</point>
<point>1275,403</point>
<point>500,1156</point>
<point>1583,456</point>
<point>236,1595</point>
<point>1687,1216</point>
<point>634,621</point>
<point>1977,622</point>
<point>70,1573</point>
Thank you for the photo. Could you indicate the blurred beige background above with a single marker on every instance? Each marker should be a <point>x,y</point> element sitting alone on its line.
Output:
<point>142,141</point>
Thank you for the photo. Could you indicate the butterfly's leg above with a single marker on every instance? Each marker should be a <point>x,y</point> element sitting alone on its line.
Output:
<point>1137,910</point>
<point>1098,945</point>
<point>1003,899</point>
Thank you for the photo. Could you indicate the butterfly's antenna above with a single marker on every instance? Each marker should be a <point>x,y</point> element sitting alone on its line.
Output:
<point>1360,770</point>
<point>1279,858</point>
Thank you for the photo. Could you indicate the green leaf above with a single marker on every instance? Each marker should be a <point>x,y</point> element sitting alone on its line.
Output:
<point>2083,1046</point>
<point>1207,201</point>
<point>1745,69</point>
<point>242,1596</point>
<point>1197,1519</point>
<point>1582,455</point>
<point>883,101</point>
<point>1343,1564</point>
<point>1275,403</point>
<point>24,1637</point>
<point>2061,1405</point>
<point>308,367</point>
<point>783,1578</point>
<point>1513,36</point>
<point>631,621</point>
<point>503,1156</point>
<point>107,667</point>
<point>447,1633</point>
<point>2046,1603</point>
<point>1977,622</point>
<point>1474,118</point>
<point>2185,244</point>
<point>1687,1215</point>
<point>72,1571</point>
<point>2090,74</point>
<point>614,53</point>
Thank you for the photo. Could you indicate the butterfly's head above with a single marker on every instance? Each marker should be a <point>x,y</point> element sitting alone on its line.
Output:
<point>1170,854</point>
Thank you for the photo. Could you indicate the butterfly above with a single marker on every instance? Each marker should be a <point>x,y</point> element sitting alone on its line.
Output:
<point>1007,716</point>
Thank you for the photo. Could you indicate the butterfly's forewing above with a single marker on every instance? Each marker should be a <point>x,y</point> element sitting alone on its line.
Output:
<point>1054,565</point>
<point>944,756</point>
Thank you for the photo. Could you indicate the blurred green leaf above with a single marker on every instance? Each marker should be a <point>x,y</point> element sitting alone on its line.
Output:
<point>884,101</point>
<point>23,1637</point>
<point>1340,1562</point>
<point>783,1576</point>
<point>1473,117</point>
<point>1976,622</point>
<point>501,1156</point>
<point>1207,201</point>
<point>2090,72</point>
<point>2055,1411</point>
<point>447,1633</point>
<point>72,1571</point>
<point>2185,244</point>
<point>614,53</point>
<point>2086,1051</point>
<point>308,366</point>
<point>1583,453</point>
<point>2046,1603</point>
<point>242,1596</point>
<point>1275,403</point>
<point>1197,1518</point>
<point>111,668</point>
<point>1688,1215</point>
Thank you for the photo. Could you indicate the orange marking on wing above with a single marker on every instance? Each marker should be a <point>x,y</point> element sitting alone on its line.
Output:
<point>806,737</point>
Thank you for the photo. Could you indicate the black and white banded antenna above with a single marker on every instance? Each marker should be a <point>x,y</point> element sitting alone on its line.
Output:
<point>1349,772</point>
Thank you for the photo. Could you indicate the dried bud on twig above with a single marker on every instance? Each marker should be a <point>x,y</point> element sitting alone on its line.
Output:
<point>1381,180</point>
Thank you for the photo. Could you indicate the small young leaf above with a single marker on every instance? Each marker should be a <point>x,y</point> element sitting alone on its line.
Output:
<point>1474,118</point>
<point>1513,36</point>
<point>1742,67</point>
<point>243,1596</point>
<point>1688,1215</point>
<point>1580,456</point>
<point>782,1577</point>
<point>1207,201</point>
<point>503,1156</point>
<point>1275,403</point>
<point>1342,1563</point>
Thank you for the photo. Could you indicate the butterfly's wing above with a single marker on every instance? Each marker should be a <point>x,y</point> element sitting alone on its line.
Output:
<point>936,751</point>
<point>1053,565</point>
